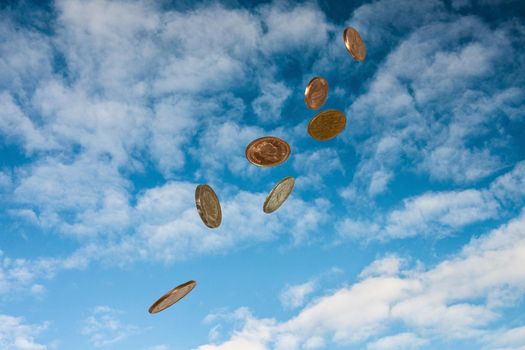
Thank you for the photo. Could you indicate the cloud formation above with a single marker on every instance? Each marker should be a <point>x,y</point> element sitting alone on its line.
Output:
<point>433,302</point>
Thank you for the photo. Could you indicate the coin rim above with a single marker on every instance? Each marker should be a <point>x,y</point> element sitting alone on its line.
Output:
<point>318,115</point>
<point>200,207</point>
<point>268,137</point>
<point>347,44</point>
<point>307,91</point>
<point>165,296</point>
<point>273,191</point>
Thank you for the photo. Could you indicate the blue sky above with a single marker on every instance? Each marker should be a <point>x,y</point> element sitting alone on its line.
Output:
<point>407,231</point>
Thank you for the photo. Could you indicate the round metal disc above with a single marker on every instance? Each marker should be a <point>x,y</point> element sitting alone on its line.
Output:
<point>316,93</point>
<point>268,151</point>
<point>278,195</point>
<point>208,206</point>
<point>172,297</point>
<point>327,124</point>
<point>354,44</point>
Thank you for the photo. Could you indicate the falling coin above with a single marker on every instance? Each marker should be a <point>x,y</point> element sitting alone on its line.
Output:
<point>268,151</point>
<point>316,92</point>
<point>208,206</point>
<point>354,44</point>
<point>278,195</point>
<point>327,124</point>
<point>172,297</point>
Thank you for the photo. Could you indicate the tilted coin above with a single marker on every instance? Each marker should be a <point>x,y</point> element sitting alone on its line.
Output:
<point>268,151</point>
<point>208,206</point>
<point>278,195</point>
<point>354,44</point>
<point>172,297</point>
<point>316,92</point>
<point>327,124</point>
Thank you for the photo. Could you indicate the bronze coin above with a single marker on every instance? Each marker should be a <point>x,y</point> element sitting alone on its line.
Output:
<point>172,297</point>
<point>316,92</point>
<point>278,195</point>
<point>327,124</point>
<point>208,206</point>
<point>354,44</point>
<point>268,151</point>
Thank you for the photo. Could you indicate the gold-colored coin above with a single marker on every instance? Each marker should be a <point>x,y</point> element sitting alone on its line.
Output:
<point>354,44</point>
<point>278,195</point>
<point>327,124</point>
<point>208,206</point>
<point>316,92</point>
<point>268,151</point>
<point>172,297</point>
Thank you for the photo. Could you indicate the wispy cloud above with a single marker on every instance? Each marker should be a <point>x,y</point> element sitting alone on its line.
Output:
<point>104,328</point>
<point>440,213</point>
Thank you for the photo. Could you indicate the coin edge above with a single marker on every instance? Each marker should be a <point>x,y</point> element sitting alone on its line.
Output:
<point>273,191</point>
<point>308,87</point>
<point>170,292</point>
<point>347,45</point>
<point>200,208</point>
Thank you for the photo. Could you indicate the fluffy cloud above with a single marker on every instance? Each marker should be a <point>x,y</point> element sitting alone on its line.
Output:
<point>433,302</point>
<point>424,110</point>
<point>15,334</point>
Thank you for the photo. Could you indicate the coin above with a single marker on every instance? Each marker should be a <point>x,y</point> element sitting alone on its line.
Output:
<point>354,44</point>
<point>327,124</point>
<point>278,195</point>
<point>172,297</point>
<point>268,151</point>
<point>208,206</point>
<point>316,92</point>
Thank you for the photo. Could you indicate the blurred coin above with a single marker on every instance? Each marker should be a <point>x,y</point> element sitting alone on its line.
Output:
<point>278,195</point>
<point>327,124</point>
<point>268,151</point>
<point>354,44</point>
<point>172,297</point>
<point>208,206</point>
<point>316,92</point>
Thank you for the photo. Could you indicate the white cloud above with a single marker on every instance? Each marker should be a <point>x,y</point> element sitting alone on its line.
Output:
<point>441,213</point>
<point>15,334</point>
<point>269,104</point>
<point>434,301</point>
<point>19,275</point>
<point>389,265</point>
<point>104,328</point>
<point>315,165</point>
<point>170,228</point>
<point>507,339</point>
<point>424,111</point>
<point>159,347</point>
<point>16,126</point>
<point>291,27</point>
<point>399,341</point>
<point>295,295</point>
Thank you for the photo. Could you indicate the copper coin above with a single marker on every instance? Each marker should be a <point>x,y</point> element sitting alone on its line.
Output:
<point>208,206</point>
<point>268,151</point>
<point>278,195</point>
<point>354,44</point>
<point>172,297</point>
<point>327,124</point>
<point>316,92</point>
